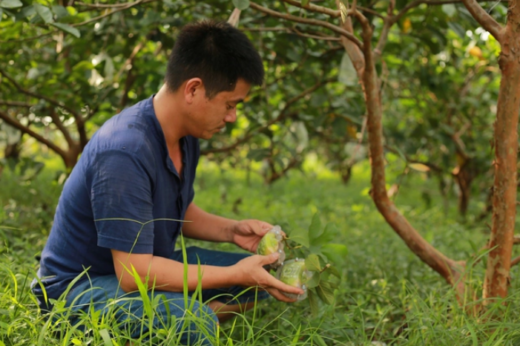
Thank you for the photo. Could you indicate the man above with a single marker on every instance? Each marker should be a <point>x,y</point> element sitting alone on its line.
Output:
<point>116,217</point>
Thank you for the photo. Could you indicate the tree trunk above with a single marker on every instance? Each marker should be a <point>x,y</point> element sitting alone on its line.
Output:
<point>446,267</point>
<point>464,177</point>
<point>506,148</point>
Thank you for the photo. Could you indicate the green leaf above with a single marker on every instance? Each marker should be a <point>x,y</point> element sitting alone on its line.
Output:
<point>328,235</point>
<point>300,236</point>
<point>241,4</point>
<point>315,228</point>
<point>347,72</point>
<point>459,30</point>
<point>326,293</point>
<point>44,12</point>
<point>336,253</point>
<point>60,11</point>
<point>305,2</point>
<point>313,302</point>
<point>258,154</point>
<point>449,9</point>
<point>312,263</point>
<point>334,271</point>
<point>1,14</point>
<point>314,280</point>
<point>318,339</point>
<point>10,3</point>
<point>106,337</point>
<point>67,28</point>
<point>26,12</point>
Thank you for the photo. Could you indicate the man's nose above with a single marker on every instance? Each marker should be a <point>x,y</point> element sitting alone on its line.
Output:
<point>231,117</point>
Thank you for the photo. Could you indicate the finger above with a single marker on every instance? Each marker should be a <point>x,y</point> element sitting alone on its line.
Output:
<point>280,296</point>
<point>275,283</point>
<point>269,258</point>
<point>264,227</point>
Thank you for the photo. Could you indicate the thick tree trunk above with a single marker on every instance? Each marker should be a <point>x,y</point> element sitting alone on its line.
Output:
<point>506,148</point>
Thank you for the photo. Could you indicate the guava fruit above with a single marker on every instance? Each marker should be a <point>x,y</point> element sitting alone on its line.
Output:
<point>294,273</point>
<point>272,242</point>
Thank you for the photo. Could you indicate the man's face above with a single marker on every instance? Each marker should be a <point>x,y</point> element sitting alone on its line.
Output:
<point>210,116</point>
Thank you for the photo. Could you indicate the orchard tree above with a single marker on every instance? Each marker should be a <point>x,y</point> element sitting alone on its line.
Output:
<point>364,30</point>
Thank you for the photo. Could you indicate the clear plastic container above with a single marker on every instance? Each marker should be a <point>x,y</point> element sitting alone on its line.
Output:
<point>294,273</point>
<point>273,242</point>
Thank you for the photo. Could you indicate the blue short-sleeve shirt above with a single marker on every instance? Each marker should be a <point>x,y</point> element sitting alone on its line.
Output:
<point>123,194</point>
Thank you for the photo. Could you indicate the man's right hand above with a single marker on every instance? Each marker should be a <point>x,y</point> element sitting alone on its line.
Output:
<point>251,273</point>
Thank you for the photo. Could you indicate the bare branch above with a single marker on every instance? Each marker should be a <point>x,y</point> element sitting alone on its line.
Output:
<point>24,129</point>
<point>276,28</point>
<point>59,124</point>
<point>353,51</point>
<point>314,8</point>
<point>328,11</point>
<point>321,23</point>
<point>516,239</point>
<point>316,37</point>
<point>30,38</point>
<point>124,4</point>
<point>235,17</point>
<point>484,19</point>
<point>385,31</point>
<point>515,261</point>
<point>39,96</point>
<point>15,104</point>
<point>119,9</point>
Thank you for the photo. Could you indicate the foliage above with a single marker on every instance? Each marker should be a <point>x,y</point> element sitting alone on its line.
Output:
<point>385,293</point>
<point>63,87</point>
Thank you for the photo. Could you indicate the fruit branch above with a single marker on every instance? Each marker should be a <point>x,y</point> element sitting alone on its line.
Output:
<point>484,19</point>
<point>316,22</point>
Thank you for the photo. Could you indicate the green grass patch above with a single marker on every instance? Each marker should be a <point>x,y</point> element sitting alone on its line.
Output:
<point>386,294</point>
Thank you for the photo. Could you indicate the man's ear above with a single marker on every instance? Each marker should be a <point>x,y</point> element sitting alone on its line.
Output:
<point>192,89</point>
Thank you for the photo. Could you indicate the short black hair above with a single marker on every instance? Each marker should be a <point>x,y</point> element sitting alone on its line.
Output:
<point>215,52</point>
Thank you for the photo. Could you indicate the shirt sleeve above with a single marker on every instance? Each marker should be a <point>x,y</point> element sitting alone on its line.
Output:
<point>121,196</point>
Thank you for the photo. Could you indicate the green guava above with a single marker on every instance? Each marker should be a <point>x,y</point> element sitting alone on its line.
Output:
<point>270,243</point>
<point>295,274</point>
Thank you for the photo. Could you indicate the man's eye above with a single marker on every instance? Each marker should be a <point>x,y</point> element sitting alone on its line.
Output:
<point>229,107</point>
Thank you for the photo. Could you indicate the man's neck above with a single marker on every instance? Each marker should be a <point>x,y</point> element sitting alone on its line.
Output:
<point>169,113</point>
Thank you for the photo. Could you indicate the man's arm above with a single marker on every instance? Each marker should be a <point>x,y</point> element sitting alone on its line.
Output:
<point>168,275</point>
<point>205,226</point>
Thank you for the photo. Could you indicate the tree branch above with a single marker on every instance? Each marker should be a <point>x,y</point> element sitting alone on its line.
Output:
<point>515,261</point>
<point>385,31</point>
<point>321,23</point>
<point>59,124</point>
<point>119,9</point>
<point>16,124</point>
<point>484,19</point>
<point>124,4</point>
<point>39,96</point>
<point>328,11</point>
<point>15,104</point>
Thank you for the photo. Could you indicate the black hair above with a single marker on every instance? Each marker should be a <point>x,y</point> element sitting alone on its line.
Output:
<point>215,52</point>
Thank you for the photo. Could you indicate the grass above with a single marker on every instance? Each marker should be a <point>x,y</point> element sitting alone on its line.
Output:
<point>387,295</point>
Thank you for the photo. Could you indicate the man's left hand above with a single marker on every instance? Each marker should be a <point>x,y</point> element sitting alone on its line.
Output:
<point>248,233</point>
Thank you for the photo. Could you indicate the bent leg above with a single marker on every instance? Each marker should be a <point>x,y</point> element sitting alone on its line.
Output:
<point>159,314</point>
